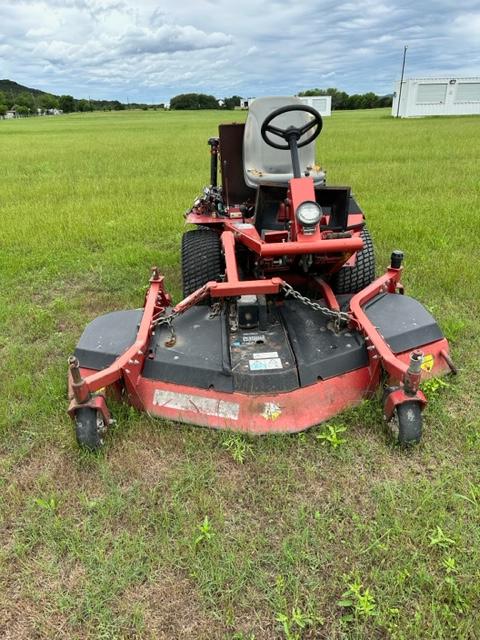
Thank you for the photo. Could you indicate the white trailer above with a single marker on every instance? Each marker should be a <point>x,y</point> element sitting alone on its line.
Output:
<point>246,102</point>
<point>323,104</point>
<point>437,97</point>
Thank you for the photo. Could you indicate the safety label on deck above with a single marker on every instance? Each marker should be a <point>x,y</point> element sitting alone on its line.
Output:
<point>197,404</point>
<point>263,364</point>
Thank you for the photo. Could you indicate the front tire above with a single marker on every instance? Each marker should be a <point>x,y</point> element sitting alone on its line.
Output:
<point>354,279</point>
<point>89,428</point>
<point>409,419</point>
<point>201,259</point>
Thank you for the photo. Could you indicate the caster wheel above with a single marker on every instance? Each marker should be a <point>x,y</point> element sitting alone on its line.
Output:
<point>89,428</point>
<point>407,421</point>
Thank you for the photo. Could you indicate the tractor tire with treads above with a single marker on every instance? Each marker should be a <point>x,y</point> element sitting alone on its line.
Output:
<point>201,259</point>
<point>356,278</point>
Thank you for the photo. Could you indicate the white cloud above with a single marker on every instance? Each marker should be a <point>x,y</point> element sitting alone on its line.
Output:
<point>169,39</point>
<point>108,48</point>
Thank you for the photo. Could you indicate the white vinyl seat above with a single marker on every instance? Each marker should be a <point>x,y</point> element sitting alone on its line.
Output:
<point>265,165</point>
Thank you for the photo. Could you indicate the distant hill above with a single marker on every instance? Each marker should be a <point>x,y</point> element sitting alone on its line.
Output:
<point>13,89</point>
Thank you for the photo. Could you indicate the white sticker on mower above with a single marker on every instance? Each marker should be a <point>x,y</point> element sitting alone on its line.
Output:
<point>256,338</point>
<point>266,355</point>
<point>198,404</point>
<point>271,411</point>
<point>265,364</point>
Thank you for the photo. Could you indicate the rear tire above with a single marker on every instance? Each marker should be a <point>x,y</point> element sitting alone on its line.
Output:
<point>201,259</point>
<point>354,279</point>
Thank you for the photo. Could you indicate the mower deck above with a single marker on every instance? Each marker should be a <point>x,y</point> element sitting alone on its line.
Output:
<point>292,373</point>
<point>284,323</point>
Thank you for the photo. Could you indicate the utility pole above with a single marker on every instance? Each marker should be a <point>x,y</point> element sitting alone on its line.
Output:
<point>401,79</point>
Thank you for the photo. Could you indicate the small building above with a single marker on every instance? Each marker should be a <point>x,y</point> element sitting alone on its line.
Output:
<point>11,113</point>
<point>437,97</point>
<point>246,102</point>
<point>323,104</point>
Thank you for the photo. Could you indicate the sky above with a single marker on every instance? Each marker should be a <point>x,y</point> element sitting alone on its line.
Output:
<point>151,50</point>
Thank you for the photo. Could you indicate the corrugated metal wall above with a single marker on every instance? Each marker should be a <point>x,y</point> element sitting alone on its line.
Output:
<point>323,104</point>
<point>437,97</point>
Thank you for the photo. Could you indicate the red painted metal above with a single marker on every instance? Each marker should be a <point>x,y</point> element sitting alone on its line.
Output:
<point>301,190</point>
<point>96,402</point>
<point>435,352</point>
<point>244,287</point>
<point>131,362</point>
<point>311,243</point>
<point>257,414</point>
<point>398,397</point>
<point>327,293</point>
<point>231,271</point>
<point>377,347</point>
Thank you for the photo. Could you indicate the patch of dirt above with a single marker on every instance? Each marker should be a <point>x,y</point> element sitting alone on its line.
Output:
<point>172,609</point>
<point>26,611</point>
<point>57,468</point>
<point>143,459</point>
<point>17,621</point>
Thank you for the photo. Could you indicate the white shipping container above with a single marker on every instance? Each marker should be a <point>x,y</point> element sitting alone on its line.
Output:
<point>437,97</point>
<point>323,104</point>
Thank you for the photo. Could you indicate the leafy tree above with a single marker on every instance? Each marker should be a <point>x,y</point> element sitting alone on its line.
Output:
<point>3,109</point>
<point>47,101</point>
<point>66,103</point>
<point>341,99</point>
<point>194,101</point>
<point>354,101</point>
<point>26,100</point>
<point>22,110</point>
<point>84,105</point>
<point>231,103</point>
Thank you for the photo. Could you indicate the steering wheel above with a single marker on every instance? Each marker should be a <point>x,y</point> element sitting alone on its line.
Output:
<point>292,132</point>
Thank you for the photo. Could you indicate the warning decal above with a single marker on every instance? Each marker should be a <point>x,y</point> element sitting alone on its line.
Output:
<point>428,362</point>
<point>263,364</point>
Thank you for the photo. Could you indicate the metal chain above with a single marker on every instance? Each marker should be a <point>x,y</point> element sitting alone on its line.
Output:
<point>337,316</point>
<point>196,297</point>
<point>165,320</point>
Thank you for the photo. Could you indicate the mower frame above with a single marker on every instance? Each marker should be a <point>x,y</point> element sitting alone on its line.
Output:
<point>399,373</point>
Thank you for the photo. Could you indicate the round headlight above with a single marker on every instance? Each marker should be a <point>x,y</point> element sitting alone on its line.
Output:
<point>309,214</point>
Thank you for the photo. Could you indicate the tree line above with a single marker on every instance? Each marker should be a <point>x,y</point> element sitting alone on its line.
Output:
<point>341,99</point>
<point>26,103</point>
<point>203,101</point>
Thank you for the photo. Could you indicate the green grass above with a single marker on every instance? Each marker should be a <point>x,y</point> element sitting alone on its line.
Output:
<point>302,539</point>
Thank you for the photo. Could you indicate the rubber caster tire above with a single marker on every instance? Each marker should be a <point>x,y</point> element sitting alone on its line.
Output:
<point>89,428</point>
<point>409,421</point>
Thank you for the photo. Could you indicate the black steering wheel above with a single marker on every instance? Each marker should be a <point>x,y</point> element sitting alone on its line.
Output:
<point>292,132</point>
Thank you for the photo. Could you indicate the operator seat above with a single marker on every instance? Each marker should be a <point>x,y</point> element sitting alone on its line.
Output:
<point>265,165</point>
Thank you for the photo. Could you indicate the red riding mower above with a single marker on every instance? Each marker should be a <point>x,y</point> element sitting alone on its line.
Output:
<point>283,323</point>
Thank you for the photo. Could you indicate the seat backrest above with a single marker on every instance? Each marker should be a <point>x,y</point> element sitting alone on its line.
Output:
<point>261,159</point>
<point>235,191</point>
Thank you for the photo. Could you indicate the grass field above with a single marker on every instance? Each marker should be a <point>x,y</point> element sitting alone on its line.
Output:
<point>180,532</point>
